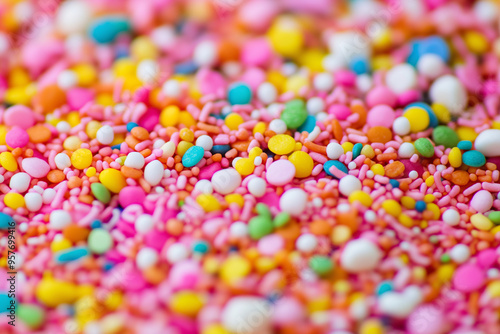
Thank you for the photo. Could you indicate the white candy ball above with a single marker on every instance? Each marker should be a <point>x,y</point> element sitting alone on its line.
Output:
<point>267,93</point>
<point>67,79</point>
<point>349,184</point>
<point>205,53</point>
<point>33,201</point>
<point>460,253</point>
<point>148,71</point>
<point>451,217</point>
<point>48,195</point>
<point>153,173</point>
<point>135,160</point>
<point>20,182</point>
<point>204,186</point>
<point>247,314</point>
<point>73,17</point>
<point>171,88</point>
<point>63,127</point>
<point>486,11</point>
<point>323,82</point>
<point>59,219</point>
<point>205,141</point>
<point>278,126</point>
<point>401,78</point>
<point>238,229</point>
<point>306,243</point>
<point>144,223</point>
<point>450,92</point>
<point>360,255</point>
<point>364,82</point>
<point>146,258</point>
<point>105,135</point>
<point>226,181</point>
<point>334,151</point>
<point>257,186</point>
<point>401,126</point>
<point>315,105</point>
<point>430,65</point>
<point>177,252</point>
<point>406,150</point>
<point>163,36</point>
<point>334,62</point>
<point>293,201</point>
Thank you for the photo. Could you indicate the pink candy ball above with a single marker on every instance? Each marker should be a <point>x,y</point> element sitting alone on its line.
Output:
<point>340,111</point>
<point>381,95</point>
<point>17,137</point>
<point>381,115</point>
<point>20,116</point>
<point>468,278</point>
<point>131,195</point>
<point>256,52</point>
<point>254,76</point>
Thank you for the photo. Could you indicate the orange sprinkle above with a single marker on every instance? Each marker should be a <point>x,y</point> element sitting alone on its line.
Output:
<point>56,176</point>
<point>140,133</point>
<point>74,182</point>
<point>131,172</point>
<point>387,156</point>
<point>75,233</point>
<point>379,134</point>
<point>208,128</point>
<point>337,130</point>
<point>315,147</point>
<point>394,169</point>
<point>39,134</point>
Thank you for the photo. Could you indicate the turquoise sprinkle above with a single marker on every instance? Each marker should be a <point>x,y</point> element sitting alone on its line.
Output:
<point>71,254</point>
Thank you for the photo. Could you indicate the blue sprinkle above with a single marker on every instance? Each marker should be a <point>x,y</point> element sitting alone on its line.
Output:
<point>222,149</point>
<point>106,29</point>
<point>96,224</point>
<point>356,150</point>
<point>394,183</point>
<point>192,156</point>
<point>336,163</point>
<point>6,221</point>
<point>131,125</point>
<point>116,147</point>
<point>433,120</point>
<point>308,125</point>
<point>5,302</point>
<point>473,158</point>
<point>108,266</point>
<point>71,254</point>
<point>239,93</point>
<point>420,206</point>
<point>200,247</point>
<point>465,145</point>
<point>359,65</point>
<point>188,67</point>
<point>383,287</point>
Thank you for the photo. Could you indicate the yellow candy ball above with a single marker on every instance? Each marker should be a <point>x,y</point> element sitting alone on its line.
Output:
<point>233,121</point>
<point>285,37</point>
<point>208,202</point>
<point>186,303</point>
<point>72,143</point>
<point>244,166</point>
<point>187,135</point>
<point>186,119</point>
<point>234,268</point>
<point>392,207</point>
<point>455,157</point>
<point>8,161</point>
<point>362,197</point>
<point>281,144</point>
<point>235,198</point>
<point>303,163</point>
<point>92,128</point>
<point>113,180</point>
<point>183,146</point>
<point>418,117</point>
<point>14,200</point>
<point>170,116</point>
<point>81,158</point>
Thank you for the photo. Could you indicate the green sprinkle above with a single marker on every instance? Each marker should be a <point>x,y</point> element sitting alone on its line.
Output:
<point>321,265</point>
<point>295,114</point>
<point>100,192</point>
<point>259,227</point>
<point>281,219</point>
<point>32,315</point>
<point>443,135</point>
<point>495,217</point>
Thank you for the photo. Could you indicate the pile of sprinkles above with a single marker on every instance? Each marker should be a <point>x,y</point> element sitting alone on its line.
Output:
<point>250,167</point>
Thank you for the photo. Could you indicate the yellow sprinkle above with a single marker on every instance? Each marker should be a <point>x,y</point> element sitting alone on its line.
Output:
<point>455,157</point>
<point>378,169</point>
<point>233,121</point>
<point>405,220</point>
<point>112,179</point>
<point>392,207</point>
<point>244,166</point>
<point>408,202</point>
<point>187,303</point>
<point>281,144</point>
<point>429,181</point>
<point>259,128</point>
<point>361,197</point>
<point>234,269</point>
<point>170,116</point>
<point>303,163</point>
<point>481,222</point>
<point>14,200</point>
<point>183,146</point>
<point>8,161</point>
<point>368,151</point>
<point>235,198</point>
<point>208,202</point>
<point>466,133</point>
<point>186,135</point>
<point>347,146</point>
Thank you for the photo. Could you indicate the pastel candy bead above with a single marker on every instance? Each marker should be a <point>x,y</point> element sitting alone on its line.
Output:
<point>17,137</point>
<point>100,192</point>
<point>293,201</point>
<point>443,135</point>
<point>281,144</point>
<point>239,93</point>
<point>481,222</point>
<point>71,254</point>
<point>226,181</point>
<point>112,179</point>
<point>35,167</point>
<point>238,308</point>
<point>468,278</point>
<point>340,111</point>
<point>360,255</point>
<point>450,92</point>
<point>455,157</point>
<point>131,195</point>
<point>424,147</point>
<point>153,173</point>
<point>99,241</point>
<point>488,143</point>
<point>381,95</point>
<point>465,145</point>
<point>192,156</point>
<point>31,315</point>
<point>6,221</point>
<point>280,172</point>
<point>334,163</point>
<point>473,158</point>
<point>381,115</point>
<point>20,116</point>
<point>294,114</point>
<point>106,29</point>
<point>482,201</point>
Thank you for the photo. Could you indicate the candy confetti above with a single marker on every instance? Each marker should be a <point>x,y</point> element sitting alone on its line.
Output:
<point>250,167</point>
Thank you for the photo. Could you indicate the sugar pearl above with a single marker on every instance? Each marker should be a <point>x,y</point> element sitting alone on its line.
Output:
<point>334,151</point>
<point>146,258</point>
<point>105,135</point>
<point>451,217</point>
